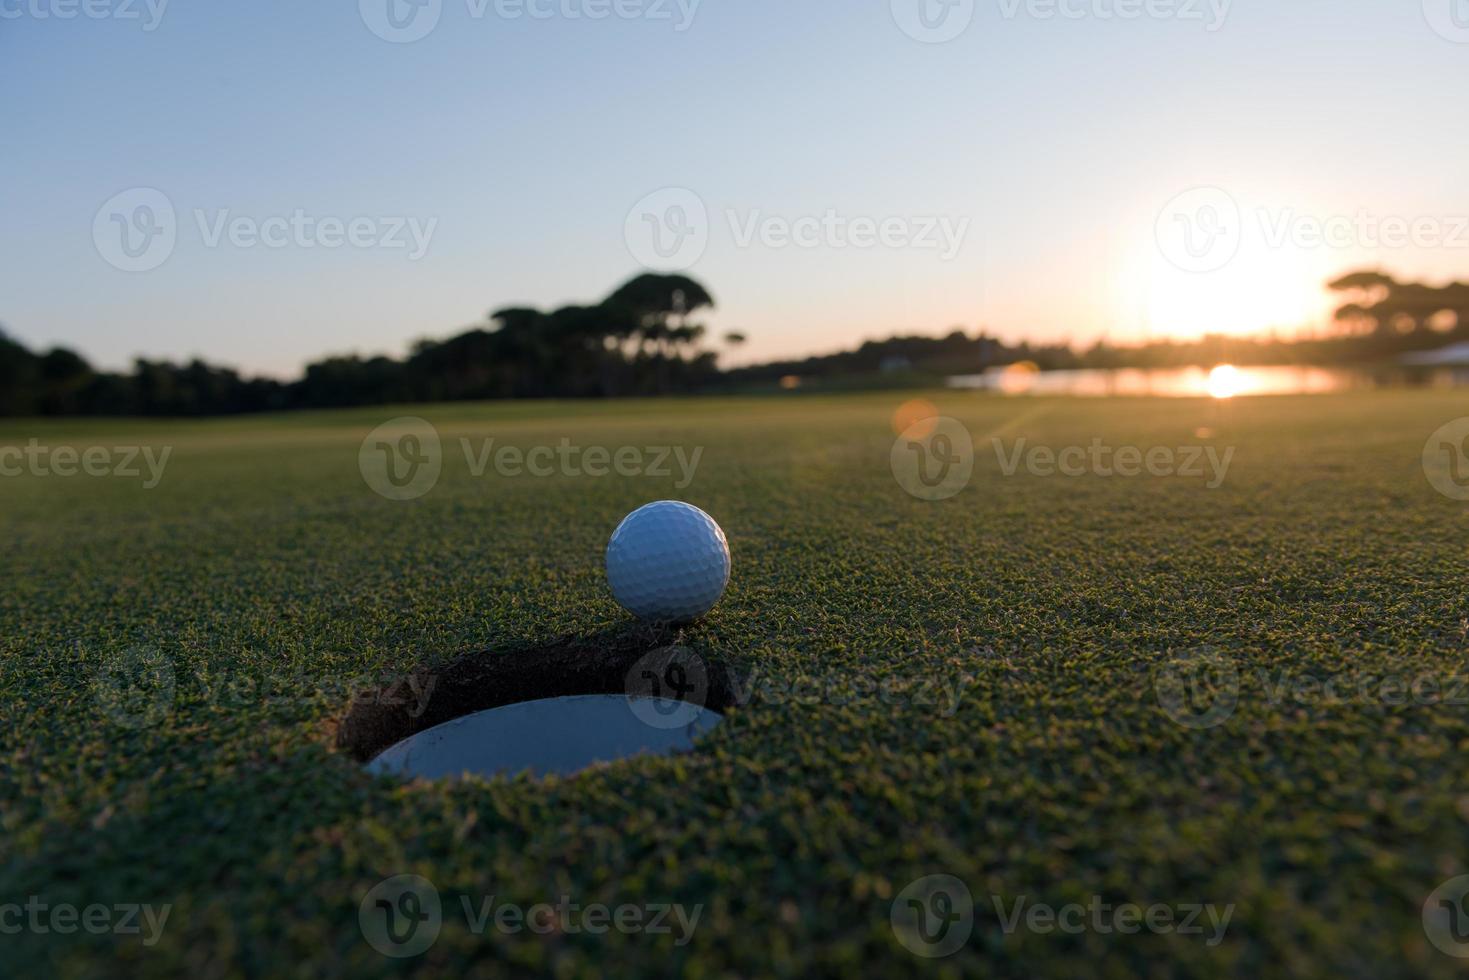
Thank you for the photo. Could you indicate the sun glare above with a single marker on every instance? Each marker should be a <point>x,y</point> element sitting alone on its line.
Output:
<point>1019,378</point>
<point>1258,290</point>
<point>1225,381</point>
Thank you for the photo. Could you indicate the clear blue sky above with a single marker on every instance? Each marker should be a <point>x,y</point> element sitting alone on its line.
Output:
<point>528,140</point>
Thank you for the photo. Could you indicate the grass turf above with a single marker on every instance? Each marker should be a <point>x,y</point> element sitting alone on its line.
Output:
<point>271,583</point>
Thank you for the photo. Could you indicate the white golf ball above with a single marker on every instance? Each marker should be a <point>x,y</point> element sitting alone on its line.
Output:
<point>668,561</point>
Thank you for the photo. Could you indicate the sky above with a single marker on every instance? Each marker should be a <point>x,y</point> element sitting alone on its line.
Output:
<point>261,184</point>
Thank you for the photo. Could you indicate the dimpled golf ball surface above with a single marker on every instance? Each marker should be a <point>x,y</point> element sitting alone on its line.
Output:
<point>668,561</point>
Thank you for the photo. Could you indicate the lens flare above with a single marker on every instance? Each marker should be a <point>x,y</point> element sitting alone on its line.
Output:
<point>910,413</point>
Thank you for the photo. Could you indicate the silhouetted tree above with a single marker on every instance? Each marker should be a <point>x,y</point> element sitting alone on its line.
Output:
<point>1388,306</point>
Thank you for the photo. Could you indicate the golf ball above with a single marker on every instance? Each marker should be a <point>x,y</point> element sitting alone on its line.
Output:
<point>668,561</point>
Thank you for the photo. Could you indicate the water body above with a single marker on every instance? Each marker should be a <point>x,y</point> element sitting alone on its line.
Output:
<point>557,735</point>
<point>1223,381</point>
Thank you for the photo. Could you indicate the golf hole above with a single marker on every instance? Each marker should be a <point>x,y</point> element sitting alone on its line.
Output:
<point>558,708</point>
<point>555,736</point>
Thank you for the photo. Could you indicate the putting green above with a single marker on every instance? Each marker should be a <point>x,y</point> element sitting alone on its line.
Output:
<point>1061,690</point>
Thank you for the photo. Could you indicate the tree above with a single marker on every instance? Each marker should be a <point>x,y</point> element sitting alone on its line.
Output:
<point>1386,306</point>
<point>20,378</point>
<point>660,306</point>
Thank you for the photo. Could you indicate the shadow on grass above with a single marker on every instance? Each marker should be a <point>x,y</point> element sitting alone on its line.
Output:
<point>601,663</point>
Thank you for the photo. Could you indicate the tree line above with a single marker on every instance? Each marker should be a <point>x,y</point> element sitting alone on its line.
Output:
<point>641,340</point>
